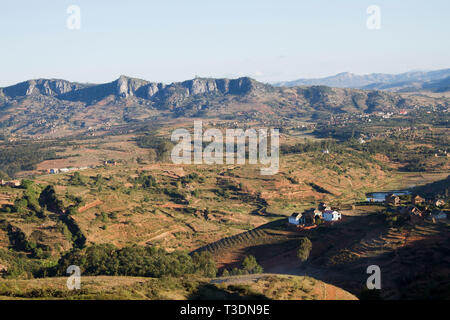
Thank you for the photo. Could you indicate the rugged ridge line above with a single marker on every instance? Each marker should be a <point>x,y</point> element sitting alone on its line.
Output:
<point>125,87</point>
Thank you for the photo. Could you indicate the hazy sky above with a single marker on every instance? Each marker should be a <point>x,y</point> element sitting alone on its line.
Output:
<point>177,40</point>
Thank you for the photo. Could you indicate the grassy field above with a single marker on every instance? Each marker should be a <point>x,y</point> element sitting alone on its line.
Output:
<point>132,288</point>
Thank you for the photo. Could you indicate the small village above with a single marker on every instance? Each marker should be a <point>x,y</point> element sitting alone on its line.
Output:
<point>414,210</point>
<point>17,183</point>
<point>313,217</point>
<point>71,169</point>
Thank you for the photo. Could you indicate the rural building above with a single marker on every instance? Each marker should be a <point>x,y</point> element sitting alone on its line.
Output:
<point>317,213</point>
<point>295,218</point>
<point>308,217</point>
<point>417,200</point>
<point>10,183</point>
<point>439,203</point>
<point>411,210</point>
<point>332,215</point>
<point>392,199</point>
<point>110,162</point>
<point>3,268</point>
<point>305,218</point>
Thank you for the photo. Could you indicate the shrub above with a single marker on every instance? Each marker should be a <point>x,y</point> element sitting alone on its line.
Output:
<point>77,180</point>
<point>304,249</point>
<point>250,265</point>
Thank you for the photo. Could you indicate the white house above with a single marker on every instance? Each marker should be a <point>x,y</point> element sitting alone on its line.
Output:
<point>332,215</point>
<point>317,213</point>
<point>295,218</point>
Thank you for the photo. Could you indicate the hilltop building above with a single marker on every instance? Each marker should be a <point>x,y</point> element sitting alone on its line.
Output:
<point>392,199</point>
<point>439,203</point>
<point>411,210</point>
<point>332,215</point>
<point>10,183</point>
<point>308,217</point>
<point>416,199</point>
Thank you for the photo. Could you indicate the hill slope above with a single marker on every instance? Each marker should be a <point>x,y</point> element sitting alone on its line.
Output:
<point>273,287</point>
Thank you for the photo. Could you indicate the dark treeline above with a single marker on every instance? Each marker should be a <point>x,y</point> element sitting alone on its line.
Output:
<point>309,146</point>
<point>161,146</point>
<point>106,259</point>
<point>24,157</point>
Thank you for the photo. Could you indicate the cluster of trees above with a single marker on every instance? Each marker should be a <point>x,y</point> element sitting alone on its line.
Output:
<point>14,158</point>
<point>309,146</point>
<point>28,203</point>
<point>249,266</point>
<point>192,177</point>
<point>161,146</point>
<point>20,243</point>
<point>106,259</point>
<point>19,265</point>
<point>146,181</point>
<point>77,179</point>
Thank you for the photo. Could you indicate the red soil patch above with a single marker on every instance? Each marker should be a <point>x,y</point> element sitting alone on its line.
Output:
<point>90,205</point>
<point>172,205</point>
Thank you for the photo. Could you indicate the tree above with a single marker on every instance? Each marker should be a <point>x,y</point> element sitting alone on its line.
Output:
<point>99,180</point>
<point>304,249</point>
<point>77,180</point>
<point>251,265</point>
<point>225,273</point>
<point>26,184</point>
<point>204,263</point>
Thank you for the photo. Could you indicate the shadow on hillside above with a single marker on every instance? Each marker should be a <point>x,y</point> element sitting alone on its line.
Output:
<point>232,292</point>
<point>417,271</point>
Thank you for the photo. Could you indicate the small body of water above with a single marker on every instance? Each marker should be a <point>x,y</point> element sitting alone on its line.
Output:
<point>380,196</point>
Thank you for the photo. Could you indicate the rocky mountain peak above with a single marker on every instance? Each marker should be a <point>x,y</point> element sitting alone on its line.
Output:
<point>48,87</point>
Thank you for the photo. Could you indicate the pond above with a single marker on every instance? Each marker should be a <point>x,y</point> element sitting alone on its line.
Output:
<point>380,196</point>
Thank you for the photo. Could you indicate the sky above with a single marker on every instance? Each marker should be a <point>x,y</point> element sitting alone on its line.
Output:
<point>175,40</point>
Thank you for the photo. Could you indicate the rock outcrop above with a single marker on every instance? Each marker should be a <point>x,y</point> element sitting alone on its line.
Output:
<point>48,87</point>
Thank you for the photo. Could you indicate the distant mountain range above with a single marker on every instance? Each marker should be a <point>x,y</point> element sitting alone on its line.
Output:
<point>54,107</point>
<point>436,81</point>
<point>128,87</point>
